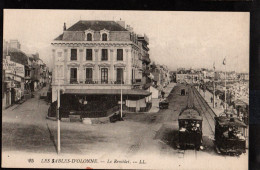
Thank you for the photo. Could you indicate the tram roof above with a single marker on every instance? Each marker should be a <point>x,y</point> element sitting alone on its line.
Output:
<point>226,121</point>
<point>190,114</point>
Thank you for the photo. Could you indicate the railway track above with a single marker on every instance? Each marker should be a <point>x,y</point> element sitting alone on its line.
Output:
<point>190,104</point>
<point>205,109</point>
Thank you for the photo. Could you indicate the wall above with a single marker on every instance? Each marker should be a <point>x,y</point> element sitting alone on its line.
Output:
<point>80,36</point>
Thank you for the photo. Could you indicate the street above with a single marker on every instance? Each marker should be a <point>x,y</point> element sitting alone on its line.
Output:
<point>26,130</point>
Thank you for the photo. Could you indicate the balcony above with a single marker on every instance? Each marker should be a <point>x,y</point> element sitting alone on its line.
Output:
<point>146,59</point>
<point>93,81</point>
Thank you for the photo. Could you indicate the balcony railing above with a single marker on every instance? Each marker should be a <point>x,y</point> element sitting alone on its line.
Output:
<point>94,81</point>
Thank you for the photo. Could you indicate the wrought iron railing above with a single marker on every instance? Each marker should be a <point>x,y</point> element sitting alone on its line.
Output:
<point>93,81</point>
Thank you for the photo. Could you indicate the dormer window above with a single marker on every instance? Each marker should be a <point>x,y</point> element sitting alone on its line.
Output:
<point>89,37</point>
<point>104,35</point>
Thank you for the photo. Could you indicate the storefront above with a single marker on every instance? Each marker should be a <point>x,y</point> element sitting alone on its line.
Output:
<point>14,78</point>
<point>100,100</point>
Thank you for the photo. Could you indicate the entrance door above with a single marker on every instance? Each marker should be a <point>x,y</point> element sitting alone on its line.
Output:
<point>8,98</point>
<point>12,96</point>
<point>120,76</point>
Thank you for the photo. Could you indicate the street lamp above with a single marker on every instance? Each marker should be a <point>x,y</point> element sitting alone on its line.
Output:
<point>214,86</point>
<point>121,108</point>
<point>58,116</point>
<point>224,62</point>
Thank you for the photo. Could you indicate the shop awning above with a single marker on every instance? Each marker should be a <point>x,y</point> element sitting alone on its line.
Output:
<point>133,92</point>
<point>239,102</point>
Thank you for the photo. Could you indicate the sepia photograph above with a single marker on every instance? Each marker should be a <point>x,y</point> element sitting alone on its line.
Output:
<point>125,89</point>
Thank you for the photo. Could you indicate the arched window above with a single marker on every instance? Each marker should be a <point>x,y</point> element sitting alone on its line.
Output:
<point>104,37</point>
<point>89,37</point>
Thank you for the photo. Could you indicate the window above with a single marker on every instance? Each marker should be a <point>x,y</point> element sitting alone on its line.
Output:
<point>120,76</point>
<point>89,37</point>
<point>120,54</point>
<point>89,54</point>
<point>104,55</point>
<point>104,75</point>
<point>88,75</point>
<point>104,37</point>
<point>60,71</point>
<point>73,75</point>
<point>73,55</point>
<point>59,56</point>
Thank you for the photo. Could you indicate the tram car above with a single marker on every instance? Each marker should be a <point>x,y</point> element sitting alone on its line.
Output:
<point>190,129</point>
<point>229,135</point>
<point>164,104</point>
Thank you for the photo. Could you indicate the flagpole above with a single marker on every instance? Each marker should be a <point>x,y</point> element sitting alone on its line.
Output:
<point>225,86</point>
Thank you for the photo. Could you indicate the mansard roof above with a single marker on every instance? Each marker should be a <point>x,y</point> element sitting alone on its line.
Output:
<point>94,25</point>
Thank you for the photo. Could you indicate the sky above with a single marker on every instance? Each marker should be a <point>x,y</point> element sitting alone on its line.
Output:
<point>176,39</point>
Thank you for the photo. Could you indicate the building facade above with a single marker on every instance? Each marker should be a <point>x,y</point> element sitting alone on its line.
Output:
<point>13,82</point>
<point>14,44</point>
<point>98,58</point>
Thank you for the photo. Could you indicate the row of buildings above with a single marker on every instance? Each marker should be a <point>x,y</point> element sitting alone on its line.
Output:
<point>237,84</point>
<point>206,75</point>
<point>94,60</point>
<point>21,74</point>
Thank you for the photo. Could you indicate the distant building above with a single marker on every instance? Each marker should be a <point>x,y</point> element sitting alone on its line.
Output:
<point>13,80</point>
<point>15,44</point>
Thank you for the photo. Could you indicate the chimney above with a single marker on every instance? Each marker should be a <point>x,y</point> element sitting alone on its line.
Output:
<point>121,23</point>
<point>64,27</point>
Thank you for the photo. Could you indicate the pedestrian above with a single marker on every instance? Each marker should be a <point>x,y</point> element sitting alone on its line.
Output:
<point>162,93</point>
<point>211,99</point>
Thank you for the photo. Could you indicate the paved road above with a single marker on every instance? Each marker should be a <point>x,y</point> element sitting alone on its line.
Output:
<point>151,136</point>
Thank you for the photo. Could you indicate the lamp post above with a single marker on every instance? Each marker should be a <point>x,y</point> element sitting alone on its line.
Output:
<point>121,108</point>
<point>225,104</point>
<point>214,86</point>
<point>58,117</point>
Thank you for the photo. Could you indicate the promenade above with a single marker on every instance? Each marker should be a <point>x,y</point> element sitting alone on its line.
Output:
<point>207,95</point>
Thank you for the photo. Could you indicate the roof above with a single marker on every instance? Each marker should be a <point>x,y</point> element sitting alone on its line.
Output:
<point>60,37</point>
<point>190,114</point>
<point>96,25</point>
<point>16,55</point>
<point>134,92</point>
<point>240,102</point>
<point>223,120</point>
<point>77,30</point>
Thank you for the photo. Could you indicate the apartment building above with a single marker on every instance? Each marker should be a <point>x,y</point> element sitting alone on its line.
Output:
<point>94,60</point>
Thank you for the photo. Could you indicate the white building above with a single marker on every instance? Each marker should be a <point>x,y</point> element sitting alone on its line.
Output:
<point>94,57</point>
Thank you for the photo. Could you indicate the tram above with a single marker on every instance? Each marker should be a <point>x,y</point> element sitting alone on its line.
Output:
<point>190,129</point>
<point>229,137</point>
<point>164,104</point>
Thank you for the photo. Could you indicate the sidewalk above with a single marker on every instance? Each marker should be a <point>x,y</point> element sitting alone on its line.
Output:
<point>155,102</point>
<point>219,109</point>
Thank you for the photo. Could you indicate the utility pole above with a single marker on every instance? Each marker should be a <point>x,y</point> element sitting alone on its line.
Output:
<point>58,117</point>
<point>214,86</point>
<point>225,108</point>
<point>121,109</point>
